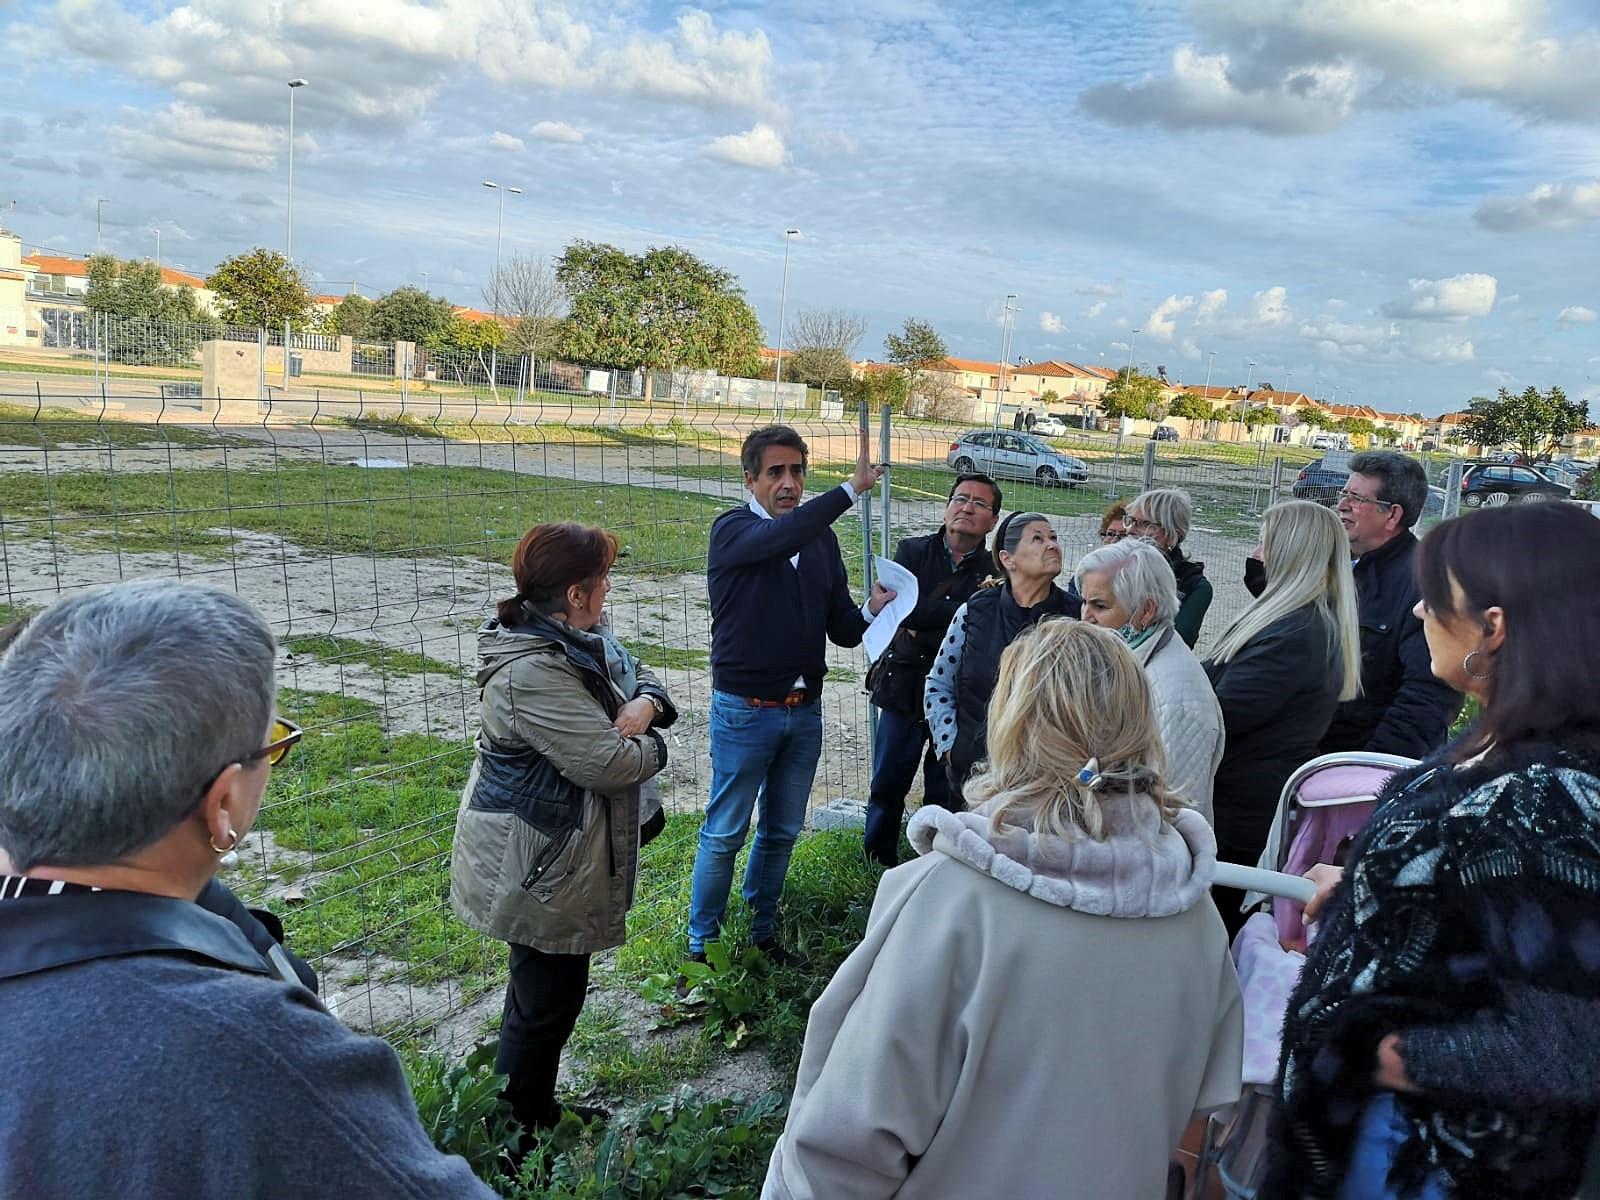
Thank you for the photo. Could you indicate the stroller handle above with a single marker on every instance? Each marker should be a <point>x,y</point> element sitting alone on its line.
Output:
<point>1271,883</point>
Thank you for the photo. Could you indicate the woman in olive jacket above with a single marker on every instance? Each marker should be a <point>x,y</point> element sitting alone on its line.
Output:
<point>547,838</point>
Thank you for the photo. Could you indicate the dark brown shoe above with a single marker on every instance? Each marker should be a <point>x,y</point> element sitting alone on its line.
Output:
<point>779,957</point>
<point>683,986</point>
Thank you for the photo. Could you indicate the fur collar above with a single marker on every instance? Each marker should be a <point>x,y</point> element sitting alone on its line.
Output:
<point>1143,869</point>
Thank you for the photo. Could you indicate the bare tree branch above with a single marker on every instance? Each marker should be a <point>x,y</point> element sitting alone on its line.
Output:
<point>526,291</point>
<point>824,343</point>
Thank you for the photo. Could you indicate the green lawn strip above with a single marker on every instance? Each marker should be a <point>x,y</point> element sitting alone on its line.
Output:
<point>387,660</point>
<point>434,511</point>
<point>15,612</point>
<point>53,428</point>
<point>658,657</point>
<point>28,368</point>
<point>529,425</point>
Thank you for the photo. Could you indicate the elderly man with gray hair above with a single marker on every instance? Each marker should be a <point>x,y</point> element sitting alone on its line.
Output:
<point>1128,587</point>
<point>152,1051</point>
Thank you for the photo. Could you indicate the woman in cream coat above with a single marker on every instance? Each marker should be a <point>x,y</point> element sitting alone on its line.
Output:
<point>1044,998</point>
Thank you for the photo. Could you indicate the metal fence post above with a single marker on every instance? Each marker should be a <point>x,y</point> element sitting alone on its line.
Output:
<point>1116,464</point>
<point>405,376</point>
<point>261,365</point>
<point>286,356</point>
<point>884,458</point>
<point>1149,480</point>
<point>1452,489</point>
<point>867,574</point>
<point>1277,480</point>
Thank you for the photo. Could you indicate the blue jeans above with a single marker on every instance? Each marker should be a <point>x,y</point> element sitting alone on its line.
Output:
<point>1383,1131</point>
<point>765,755</point>
<point>902,744</point>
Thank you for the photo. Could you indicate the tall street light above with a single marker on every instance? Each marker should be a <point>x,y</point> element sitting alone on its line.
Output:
<point>1005,353</point>
<point>499,229</point>
<point>783,306</point>
<point>157,232</point>
<point>100,203</point>
<point>1209,361</point>
<point>288,246</point>
<point>1133,337</point>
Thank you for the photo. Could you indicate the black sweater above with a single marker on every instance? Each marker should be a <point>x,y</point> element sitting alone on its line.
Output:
<point>768,620</point>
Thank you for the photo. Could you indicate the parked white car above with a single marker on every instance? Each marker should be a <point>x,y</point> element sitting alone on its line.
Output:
<point>1050,426</point>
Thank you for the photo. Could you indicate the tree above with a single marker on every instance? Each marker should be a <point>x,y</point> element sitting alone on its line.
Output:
<point>914,349</point>
<point>463,344</point>
<point>1388,436</point>
<point>1532,421</point>
<point>1131,395</point>
<point>1257,416</point>
<point>261,288</point>
<point>661,309</point>
<point>150,323</point>
<point>943,398</point>
<point>824,346</point>
<point>526,292</point>
<point>874,389</point>
<point>1194,407</point>
<point>409,314</point>
<point>1316,418</point>
<point>352,317</point>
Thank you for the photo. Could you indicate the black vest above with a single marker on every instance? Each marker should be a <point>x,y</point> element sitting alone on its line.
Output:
<point>994,621</point>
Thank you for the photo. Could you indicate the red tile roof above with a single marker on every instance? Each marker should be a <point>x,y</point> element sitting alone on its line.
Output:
<point>55,264</point>
<point>971,365</point>
<point>181,278</point>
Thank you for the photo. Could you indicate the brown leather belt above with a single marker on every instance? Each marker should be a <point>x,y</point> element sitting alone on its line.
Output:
<point>798,696</point>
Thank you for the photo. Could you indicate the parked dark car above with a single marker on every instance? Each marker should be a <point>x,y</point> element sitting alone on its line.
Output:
<point>1163,433</point>
<point>1517,484</point>
<point>1006,454</point>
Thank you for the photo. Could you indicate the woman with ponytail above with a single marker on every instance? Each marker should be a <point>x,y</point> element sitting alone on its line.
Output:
<point>1044,998</point>
<point>548,835</point>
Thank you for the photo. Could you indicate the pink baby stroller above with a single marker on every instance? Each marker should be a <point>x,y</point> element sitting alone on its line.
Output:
<point>1324,804</point>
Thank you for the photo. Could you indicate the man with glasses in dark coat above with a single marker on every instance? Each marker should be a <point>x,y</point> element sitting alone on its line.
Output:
<point>949,564</point>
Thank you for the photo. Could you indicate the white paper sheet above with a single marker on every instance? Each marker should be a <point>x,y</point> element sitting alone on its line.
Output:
<point>882,630</point>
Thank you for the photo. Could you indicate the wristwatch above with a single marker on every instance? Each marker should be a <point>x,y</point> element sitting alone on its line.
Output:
<point>659,704</point>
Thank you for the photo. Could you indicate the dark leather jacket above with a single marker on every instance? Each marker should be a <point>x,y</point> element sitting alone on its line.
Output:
<point>1403,707</point>
<point>897,677</point>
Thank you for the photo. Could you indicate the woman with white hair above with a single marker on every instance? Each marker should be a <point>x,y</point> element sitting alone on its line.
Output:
<point>1162,516</point>
<point>1044,998</point>
<point>1279,672</point>
<point>1128,588</point>
<point>140,733</point>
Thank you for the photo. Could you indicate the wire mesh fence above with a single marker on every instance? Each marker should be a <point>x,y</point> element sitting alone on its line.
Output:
<point>376,537</point>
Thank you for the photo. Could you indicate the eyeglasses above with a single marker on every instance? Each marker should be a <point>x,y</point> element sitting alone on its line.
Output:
<point>1344,496</point>
<point>1139,524</point>
<point>285,734</point>
<point>1111,535</point>
<point>962,500</point>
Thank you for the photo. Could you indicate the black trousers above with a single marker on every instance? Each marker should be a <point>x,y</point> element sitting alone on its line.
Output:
<point>543,1000</point>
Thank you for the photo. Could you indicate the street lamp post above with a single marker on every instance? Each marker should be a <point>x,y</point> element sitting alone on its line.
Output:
<point>1005,353</point>
<point>157,232</point>
<point>288,241</point>
<point>499,230</point>
<point>100,203</point>
<point>1209,361</point>
<point>424,282</point>
<point>783,306</point>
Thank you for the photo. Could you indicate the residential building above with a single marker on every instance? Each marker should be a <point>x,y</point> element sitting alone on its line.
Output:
<point>15,279</point>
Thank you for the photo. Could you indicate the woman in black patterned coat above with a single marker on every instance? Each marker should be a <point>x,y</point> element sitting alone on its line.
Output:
<point>1442,1040</point>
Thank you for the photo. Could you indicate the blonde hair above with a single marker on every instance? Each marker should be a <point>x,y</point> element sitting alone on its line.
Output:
<point>1307,557</point>
<point>1067,693</point>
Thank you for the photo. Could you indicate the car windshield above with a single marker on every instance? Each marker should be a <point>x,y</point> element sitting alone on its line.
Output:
<point>1034,444</point>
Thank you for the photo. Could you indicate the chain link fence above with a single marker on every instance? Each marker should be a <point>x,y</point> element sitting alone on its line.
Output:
<point>375,535</point>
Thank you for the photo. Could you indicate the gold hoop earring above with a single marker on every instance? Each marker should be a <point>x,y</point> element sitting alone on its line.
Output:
<point>1466,665</point>
<point>216,849</point>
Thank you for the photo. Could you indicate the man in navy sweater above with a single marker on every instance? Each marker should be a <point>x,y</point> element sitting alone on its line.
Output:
<point>778,588</point>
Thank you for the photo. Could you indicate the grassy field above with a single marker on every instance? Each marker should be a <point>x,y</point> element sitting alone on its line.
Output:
<point>386,660</point>
<point>54,428</point>
<point>431,511</point>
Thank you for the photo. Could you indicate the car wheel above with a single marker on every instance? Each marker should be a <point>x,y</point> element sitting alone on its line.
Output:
<point>964,466</point>
<point>1047,477</point>
<point>1473,500</point>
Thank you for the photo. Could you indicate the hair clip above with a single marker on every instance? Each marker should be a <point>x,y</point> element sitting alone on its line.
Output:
<point>1089,777</point>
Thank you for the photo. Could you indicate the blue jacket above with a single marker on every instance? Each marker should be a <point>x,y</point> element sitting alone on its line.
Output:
<point>769,621</point>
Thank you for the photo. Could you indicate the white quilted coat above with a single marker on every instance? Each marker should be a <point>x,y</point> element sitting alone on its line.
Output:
<point>1189,717</point>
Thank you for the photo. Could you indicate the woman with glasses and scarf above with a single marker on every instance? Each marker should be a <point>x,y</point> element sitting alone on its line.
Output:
<point>956,696</point>
<point>547,838</point>
<point>151,1049</point>
<point>1441,1040</point>
<point>1163,516</point>
<point>1128,587</point>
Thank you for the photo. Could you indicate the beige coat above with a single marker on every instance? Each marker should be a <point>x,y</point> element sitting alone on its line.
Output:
<point>1026,1017</point>
<point>547,857</point>
<point>1188,715</point>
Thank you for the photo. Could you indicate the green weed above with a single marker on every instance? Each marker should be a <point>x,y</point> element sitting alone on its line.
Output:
<point>383,658</point>
<point>54,428</point>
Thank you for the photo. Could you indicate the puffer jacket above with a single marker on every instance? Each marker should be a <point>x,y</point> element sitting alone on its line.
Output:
<point>547,837</point>
<point>1188,715</point>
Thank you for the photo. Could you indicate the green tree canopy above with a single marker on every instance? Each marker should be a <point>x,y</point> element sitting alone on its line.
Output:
<point>1192,406</point>
<point>1257,416</point>
<point>915,349</point>
<point>1316,418</point>
<point>409,314</point>
<point>1534,422</point>
<point>662,309</point>
<point>352,317</point>
<point>153,324</point>
<point>875,389</point>
<point>1131,395</point>
<point>261,288</point>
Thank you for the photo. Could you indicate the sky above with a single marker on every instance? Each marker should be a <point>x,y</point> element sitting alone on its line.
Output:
<point>1398,199</point>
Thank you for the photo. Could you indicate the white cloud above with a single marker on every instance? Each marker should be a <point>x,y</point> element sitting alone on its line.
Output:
<point>1190,348</point>
<point>1212,303</point>
<point>1097,289</point>
<point>1444,350</point>
<point>1576,314</point>
<point>1454,299</point>
<point>1334,336</point>
<point>1049,322</point>
<point>556,131</point>
<point>1548,206</point>
<point>182,137</point>
<point>499,140</point>
<point>760,146</point>
<point>1202,91</point>
<point>1095,310</point>
<point>1159,324</point>
<point>1272,307</point>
